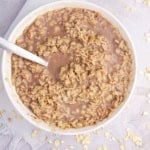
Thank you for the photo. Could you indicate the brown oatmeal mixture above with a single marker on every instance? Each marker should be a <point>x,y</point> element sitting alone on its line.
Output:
<point>90,86</point>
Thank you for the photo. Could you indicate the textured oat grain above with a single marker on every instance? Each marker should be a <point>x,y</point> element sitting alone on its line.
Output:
<point>91,86</point>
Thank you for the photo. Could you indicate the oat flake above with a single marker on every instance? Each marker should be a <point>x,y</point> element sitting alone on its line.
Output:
<point>93,66</point>
<point>145,113</point>
<point>147,37</point>
<point>57,143</point>
<point>148,126</point>
<point>134,138</point>
<point>49,140</point>
<point>2,112</point>
<point>147,2</point>
<point>83,139</point>
<point>104,147</point>
<point>34,133</point>
<point>130,9</point>
<point>122,146</point>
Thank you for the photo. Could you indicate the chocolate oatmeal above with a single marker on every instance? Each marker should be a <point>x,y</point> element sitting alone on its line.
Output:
<point>89,71</point>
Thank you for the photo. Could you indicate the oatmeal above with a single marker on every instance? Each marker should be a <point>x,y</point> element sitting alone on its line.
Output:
<point>90,63</point>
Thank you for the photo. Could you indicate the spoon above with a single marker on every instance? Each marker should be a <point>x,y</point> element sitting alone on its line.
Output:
<point>56,61</point>
<point>21,52</point>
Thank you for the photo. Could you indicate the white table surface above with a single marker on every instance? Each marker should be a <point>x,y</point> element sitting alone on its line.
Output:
<point>17,133</point>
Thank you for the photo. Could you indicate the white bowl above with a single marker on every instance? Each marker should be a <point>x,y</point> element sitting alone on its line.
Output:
<point>6,64</point>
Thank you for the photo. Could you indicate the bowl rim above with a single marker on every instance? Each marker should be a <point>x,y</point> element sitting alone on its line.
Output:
<point>117,110</point>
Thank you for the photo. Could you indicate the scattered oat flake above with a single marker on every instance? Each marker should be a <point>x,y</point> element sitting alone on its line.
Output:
<point>126,138</point>
<point>147,73</point>
<point>62,141</point>
<point>83,139</point>
<point>99,148</point>
<point>134,138</point>
<point>148,126</point>
<point>2,112</point>
<point>85,147</point>
<point>16,115</point>
<point>113,139</point>
<point>145,113</point>
<point>103,147</point>
<point>147,76</point>
<point>147,37</point>
<point>148,69</point>
<point>121,146</point>
<point>98,132</point>
<point>49,140</point>
<point>71,147</point>
<point>57,143</point>
<point>147,2</point>
<point>34,133</point>
<point>107,134</point>
<point>130,8</point>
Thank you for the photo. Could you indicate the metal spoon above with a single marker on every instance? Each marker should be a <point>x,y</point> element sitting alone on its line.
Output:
<point>5,45</point>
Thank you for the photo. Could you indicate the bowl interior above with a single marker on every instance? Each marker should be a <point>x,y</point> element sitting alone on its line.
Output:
<point>6,64</point>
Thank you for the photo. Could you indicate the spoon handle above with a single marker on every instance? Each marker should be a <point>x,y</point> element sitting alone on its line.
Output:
<point>5,45</point>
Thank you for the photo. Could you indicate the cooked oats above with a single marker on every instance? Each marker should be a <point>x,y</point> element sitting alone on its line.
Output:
<point>92,83</point>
